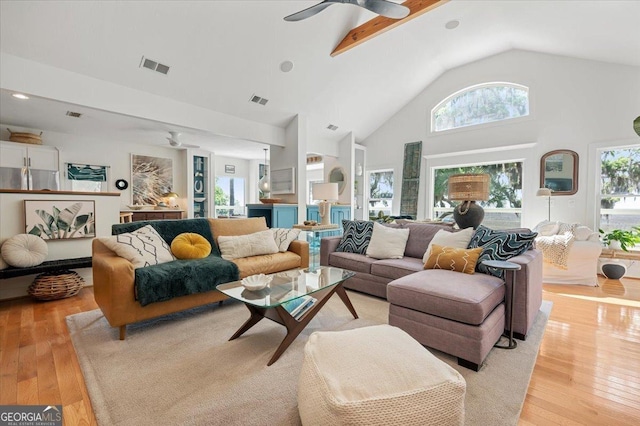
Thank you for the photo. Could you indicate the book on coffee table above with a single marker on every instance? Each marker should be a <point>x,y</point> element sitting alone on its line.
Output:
<point>295,306</point>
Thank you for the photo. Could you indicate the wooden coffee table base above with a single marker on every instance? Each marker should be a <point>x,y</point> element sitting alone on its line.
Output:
<point>281,316</point>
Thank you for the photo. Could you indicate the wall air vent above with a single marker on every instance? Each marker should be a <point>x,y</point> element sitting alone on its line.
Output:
<point>74,114</point>
<point>332,127</point>
<point>154,66</point>
<point>258,100</point>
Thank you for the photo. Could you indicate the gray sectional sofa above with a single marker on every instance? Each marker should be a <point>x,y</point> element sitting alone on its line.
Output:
<point>460,314</point>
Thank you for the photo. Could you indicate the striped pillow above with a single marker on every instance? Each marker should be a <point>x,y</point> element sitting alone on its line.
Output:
<point>356,236</point>
<point>499,245</point>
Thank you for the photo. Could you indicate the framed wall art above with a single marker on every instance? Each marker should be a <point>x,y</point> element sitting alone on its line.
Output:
<point>151,177</point>
<point>60,220</point>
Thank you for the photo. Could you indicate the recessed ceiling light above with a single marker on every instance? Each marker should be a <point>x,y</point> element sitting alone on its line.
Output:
<point>20,96</point>
<point>286,66</point>
<point>452,24</point>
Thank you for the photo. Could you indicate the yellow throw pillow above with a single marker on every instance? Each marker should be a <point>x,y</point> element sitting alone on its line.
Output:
<point>453,259</point>
<point>190,246</point>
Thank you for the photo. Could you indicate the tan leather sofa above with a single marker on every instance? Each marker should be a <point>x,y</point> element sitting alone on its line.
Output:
<point>113,276</point>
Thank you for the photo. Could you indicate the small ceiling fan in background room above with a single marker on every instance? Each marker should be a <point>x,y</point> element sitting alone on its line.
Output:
<point>381,7</point>
<point>174,141</point>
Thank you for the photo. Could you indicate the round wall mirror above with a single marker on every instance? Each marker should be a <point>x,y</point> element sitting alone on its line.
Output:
<point>338,175</point>
<point>559,172</point>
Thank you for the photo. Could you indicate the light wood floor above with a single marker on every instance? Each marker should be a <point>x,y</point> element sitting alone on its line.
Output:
<point>587,371</point>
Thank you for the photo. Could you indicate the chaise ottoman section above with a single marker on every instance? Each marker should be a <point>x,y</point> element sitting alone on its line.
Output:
<point>460,314</point>
<point>459,297</point>
<point>376,375</point>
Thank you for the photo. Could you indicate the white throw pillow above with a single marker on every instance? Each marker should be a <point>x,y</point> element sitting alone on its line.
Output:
<point>582,233</point>
<point>386,242</point>
<point>236,246</point>
<point>142,247</point>
<point>547,228</point>
<point>444,238</point>
<point>24,250</point>
<point>283,237</point>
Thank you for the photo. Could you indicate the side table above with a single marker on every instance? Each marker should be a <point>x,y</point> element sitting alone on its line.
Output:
<point>513,267</point>
<point>314,242</point>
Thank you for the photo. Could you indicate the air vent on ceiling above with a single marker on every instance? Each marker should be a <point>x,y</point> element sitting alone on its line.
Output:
<point>314,159</point>
<point>332,127</point>
<point>258,100</point>
<point>154,66</point>
<point>74,114</point>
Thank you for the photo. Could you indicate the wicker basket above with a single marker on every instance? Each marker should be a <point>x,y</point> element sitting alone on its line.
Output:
<point>56,285</point>
<point>30,138</point>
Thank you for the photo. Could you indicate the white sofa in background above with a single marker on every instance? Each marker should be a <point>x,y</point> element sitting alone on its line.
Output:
<point>582,257</point>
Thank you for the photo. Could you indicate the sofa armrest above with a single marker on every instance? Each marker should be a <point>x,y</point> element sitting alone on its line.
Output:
<point>301,248</point>
<point>327,246</point>
<point>528,295</point>
<point>113,284</point>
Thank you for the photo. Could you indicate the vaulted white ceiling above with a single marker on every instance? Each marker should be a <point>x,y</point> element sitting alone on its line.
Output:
<point>222,52</point>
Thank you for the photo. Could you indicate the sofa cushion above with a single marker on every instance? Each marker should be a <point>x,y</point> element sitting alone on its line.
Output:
<point>190,245</point>
<point>227,227</point>
<point>284,237</point>
<point>387,242</point>
<point>459,297</point>
<point>351,261</point>
<point>355,237</point>
<point>236,246</point>
<point>500,245</point>
<point>420,235</point>
<point>142,247</point>
<point>453,259</point>
<point>182,277</point>
<point>171,228</point>
<point>396,268</point>
<point>458,239</point>
<point>267,263</point>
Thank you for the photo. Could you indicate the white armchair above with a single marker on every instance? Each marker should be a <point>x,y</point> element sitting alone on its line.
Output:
<point>581,259</point>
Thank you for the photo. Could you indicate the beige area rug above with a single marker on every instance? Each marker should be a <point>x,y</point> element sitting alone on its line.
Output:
<point>182,369</point>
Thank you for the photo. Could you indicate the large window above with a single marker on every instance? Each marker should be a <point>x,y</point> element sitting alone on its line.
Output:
<point>620,188</point>
<point>229,196</point>
<point>502,210</point>
<point>380,193</point>
<point>480,104</point>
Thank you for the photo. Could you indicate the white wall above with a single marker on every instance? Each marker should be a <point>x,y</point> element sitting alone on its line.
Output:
<point>574,103</point>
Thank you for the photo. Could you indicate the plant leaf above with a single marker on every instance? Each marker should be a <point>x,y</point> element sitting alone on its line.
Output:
<point>67,216</point>
<point>48,220</point>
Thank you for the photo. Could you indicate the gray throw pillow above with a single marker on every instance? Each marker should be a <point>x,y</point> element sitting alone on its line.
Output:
<point>499,245</point>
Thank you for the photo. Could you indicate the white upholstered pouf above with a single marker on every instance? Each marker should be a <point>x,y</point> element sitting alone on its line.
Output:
<point>24,250</point>
<point>376,375</point>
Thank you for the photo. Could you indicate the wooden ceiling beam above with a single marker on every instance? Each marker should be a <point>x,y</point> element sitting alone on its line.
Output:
<point>381,24</point>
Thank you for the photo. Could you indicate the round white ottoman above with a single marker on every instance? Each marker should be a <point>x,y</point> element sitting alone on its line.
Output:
<point>376,375</point>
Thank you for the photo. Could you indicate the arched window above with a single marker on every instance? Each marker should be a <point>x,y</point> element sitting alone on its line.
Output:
<point>482,103</point>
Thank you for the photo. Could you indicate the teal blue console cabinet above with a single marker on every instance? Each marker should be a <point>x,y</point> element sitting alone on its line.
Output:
<point>338,214</point>
<point>276,215</point>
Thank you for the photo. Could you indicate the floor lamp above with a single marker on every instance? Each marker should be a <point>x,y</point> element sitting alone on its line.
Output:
<point>546,192</point>
<point>326,193</point>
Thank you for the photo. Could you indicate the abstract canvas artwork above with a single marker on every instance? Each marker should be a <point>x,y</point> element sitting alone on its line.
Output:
<point>151,177</point>
<point>60,220</point>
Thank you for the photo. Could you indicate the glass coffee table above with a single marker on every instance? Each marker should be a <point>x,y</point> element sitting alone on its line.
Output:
<point>304,289</point>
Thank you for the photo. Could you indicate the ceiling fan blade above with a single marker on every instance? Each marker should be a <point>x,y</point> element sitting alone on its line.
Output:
<point>309,12</point>
<point>386,8</point>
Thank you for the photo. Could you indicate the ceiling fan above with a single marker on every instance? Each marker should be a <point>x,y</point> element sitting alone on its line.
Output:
<point>175,142</point>
<point>381,7</point>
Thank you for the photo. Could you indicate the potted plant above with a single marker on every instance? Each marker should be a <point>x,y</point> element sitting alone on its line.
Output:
<point>621,238</point>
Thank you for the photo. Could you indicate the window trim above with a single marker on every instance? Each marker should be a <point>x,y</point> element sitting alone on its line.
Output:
<point>432,120</point>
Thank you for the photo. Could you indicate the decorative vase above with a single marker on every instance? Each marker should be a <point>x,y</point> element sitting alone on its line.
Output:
<point>614,271</point>
<point>615,245</point>
<point>468,217</point>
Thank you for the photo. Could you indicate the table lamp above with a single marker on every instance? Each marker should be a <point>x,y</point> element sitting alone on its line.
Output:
<point>171,198</point>
<point>468,188</point>
<point>325,193</point>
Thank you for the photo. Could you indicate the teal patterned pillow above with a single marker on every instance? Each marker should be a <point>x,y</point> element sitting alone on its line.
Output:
<point>356,236</point>
<point>499,245</point>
